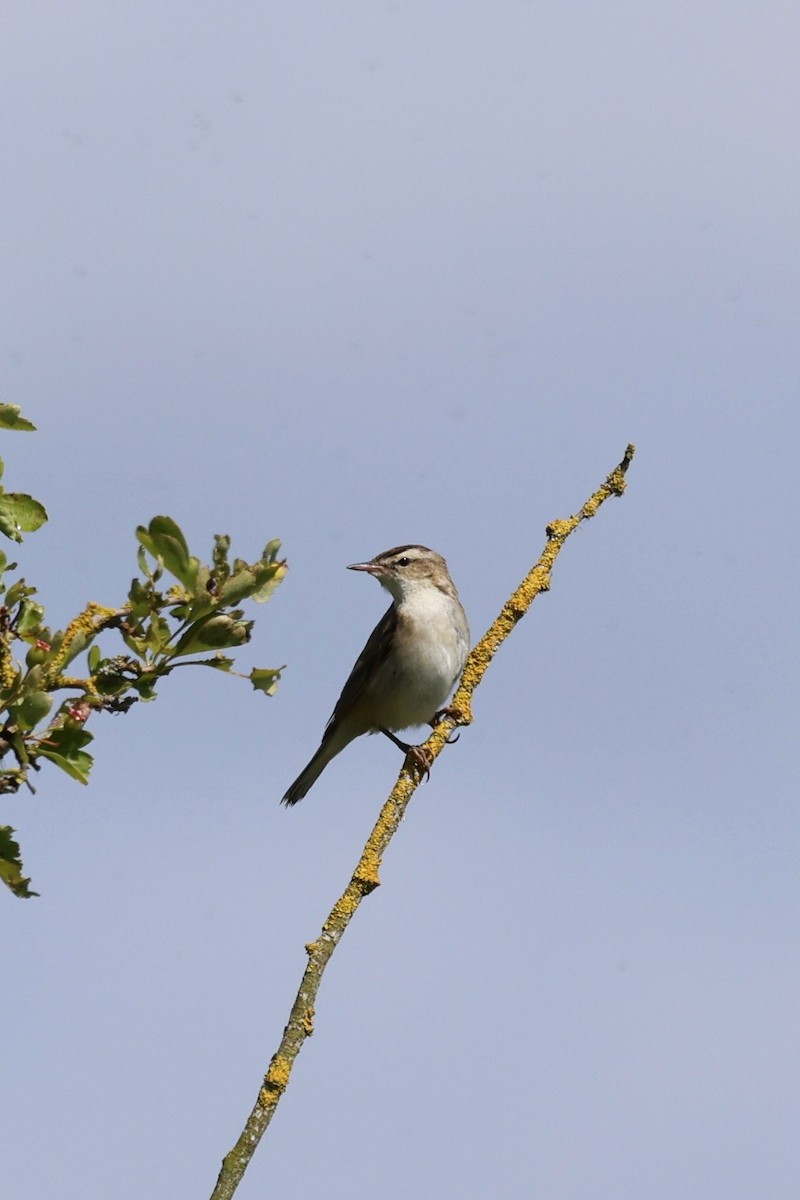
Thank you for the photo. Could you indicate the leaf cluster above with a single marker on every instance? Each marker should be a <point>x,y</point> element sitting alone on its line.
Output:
<point>178,612</point>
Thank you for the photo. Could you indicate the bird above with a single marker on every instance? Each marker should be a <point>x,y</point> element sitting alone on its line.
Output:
<point>409,665</point>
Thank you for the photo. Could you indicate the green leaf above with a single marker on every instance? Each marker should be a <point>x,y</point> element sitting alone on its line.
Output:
<point>10,419</point>
<point>65,749</point>
<point>56,642</point>
<point>32,709</point>
<point>277,573</point>
<point>141,599</point>
<point>80,640</point>
<point>203,603</point>
<point>265,680</point>
<point>93,659</point>
<point>134,643</point>
<point>77,767</point>
<point>145,687</point>
<point>19,590</point>
<point>20,513</point>
<point>164,539</point>
<point>243,583</point>
<point>144,566</point>
<point>112,683</point>
<point>203,585</point>
<point>256,582</point>
<point>219,661</point>
<point>158,634</point>
<point>11,865</point>
<point>33,680</point>
<point>217,632</point>
<point>30,618</point>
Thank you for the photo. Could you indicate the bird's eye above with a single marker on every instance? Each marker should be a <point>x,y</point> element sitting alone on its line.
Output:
<point>403,562</point>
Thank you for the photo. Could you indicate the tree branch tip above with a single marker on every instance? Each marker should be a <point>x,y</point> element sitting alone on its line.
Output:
<point>616,480</point>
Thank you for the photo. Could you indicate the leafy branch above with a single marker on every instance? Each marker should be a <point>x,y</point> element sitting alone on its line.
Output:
<point>177,609</point>
<point>366,878</point>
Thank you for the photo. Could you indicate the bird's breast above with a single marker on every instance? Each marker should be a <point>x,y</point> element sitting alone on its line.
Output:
<point>430,648</point>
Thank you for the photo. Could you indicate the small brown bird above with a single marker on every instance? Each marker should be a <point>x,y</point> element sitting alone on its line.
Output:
<point>410,663</point>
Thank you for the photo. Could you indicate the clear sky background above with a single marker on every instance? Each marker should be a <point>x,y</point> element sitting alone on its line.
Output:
<point>353,275</point>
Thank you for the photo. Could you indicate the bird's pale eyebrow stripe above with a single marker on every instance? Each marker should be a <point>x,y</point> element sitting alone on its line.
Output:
<point>402,549</point>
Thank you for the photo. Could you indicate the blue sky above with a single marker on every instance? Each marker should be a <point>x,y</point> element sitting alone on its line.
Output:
<point>354,276</point>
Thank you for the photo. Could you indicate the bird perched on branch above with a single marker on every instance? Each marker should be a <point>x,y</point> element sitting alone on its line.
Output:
<point>409,665</point>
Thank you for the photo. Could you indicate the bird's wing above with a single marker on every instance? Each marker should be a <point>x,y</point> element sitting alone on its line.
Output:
<point>376,651</point>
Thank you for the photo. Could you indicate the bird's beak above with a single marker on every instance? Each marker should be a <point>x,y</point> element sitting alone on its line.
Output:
<point>371,568</point>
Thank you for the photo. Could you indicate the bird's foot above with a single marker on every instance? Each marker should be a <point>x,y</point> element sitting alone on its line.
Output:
<point>420,758</point>
<point>455,714</point>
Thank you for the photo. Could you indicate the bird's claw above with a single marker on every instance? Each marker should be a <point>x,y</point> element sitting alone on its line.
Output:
<point>449,710</point>
<point>422,759</point>
<point>455,714</point>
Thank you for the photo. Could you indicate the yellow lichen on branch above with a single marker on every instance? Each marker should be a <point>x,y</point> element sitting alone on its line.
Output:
<point>365,877</point>
<point>84,626</point>
<point>277,1076</point>
<point>8,668</point>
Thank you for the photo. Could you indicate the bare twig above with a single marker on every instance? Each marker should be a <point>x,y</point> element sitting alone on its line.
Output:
<point>365,877</point>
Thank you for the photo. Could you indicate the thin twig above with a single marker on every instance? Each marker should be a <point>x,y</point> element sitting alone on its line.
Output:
<point>365,877</point>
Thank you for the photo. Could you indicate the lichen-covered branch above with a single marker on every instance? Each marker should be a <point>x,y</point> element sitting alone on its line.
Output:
<point>365,878</point>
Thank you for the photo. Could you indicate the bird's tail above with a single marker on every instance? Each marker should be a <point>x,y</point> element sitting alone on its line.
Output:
<point>332,743</point>
<point>307,777</point>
